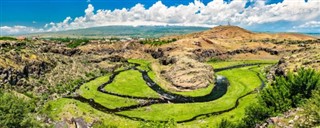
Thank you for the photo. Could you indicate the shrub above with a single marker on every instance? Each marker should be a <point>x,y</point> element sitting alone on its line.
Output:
<point>228,124</point>
<point>61,39</point>
<point>286,93</point>
<point>157,42</point>
<point>290,91</point>
<point>15,112</point>
<point>71,42</point>
<point>7,38</point>
<point>255,114</point>
<point>214,59</point>
<point>170,124</point>
<point>114,39</point>
<point>103,125</point>
<point>77,42</point>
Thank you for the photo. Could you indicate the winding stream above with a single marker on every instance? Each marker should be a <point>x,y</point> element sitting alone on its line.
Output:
<point>221,87</point>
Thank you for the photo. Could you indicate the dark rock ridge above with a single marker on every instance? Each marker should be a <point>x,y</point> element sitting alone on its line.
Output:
<point>208,53</point>
<point>24,69</point>
<point>304,58</point>
<point>157,53</point>
<point>60,50</point>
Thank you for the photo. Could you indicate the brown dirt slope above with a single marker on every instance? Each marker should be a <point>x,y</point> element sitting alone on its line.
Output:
<point>238,33</point>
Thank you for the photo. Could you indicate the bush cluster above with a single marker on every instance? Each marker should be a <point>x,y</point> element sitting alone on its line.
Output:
<point>16,112</point>
<point>7,38</point>
<point>72,42</point>
<point>287,92</point>
<point>157,42</point>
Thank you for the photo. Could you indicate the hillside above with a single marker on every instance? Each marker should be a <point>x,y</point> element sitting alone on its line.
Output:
<point>238,33</point>
<point>193,80</point>
<point>222,42</point>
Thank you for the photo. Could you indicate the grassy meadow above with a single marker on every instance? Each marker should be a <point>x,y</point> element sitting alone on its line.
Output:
<point>242,81</point>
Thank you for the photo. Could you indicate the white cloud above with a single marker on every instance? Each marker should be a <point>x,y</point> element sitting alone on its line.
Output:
<point>196,13</point>
<point>214,13</point>
<point>288,10</point>
<point>311,24</point>
<point>58,26</point>
<point>6,30</point>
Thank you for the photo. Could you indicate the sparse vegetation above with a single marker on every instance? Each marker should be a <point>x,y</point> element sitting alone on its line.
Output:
<point>71,42</point>
<point>114,39</point>
<point>213,60</point>
<point>284,41</point>
<point>157,42</point>
<point>312,107</point>
<point>226,63</point>
<point>170,124</point>
<point>77,42</point>
<point>63,40</point>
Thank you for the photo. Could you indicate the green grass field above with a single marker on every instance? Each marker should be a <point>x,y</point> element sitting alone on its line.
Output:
<point>89,91</point>
<point>242,80</point>
<point>213,121</point>
<point>131,83</point>
<point>144,65</point>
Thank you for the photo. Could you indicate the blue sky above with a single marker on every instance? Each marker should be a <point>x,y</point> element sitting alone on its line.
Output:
<point>36,14</point>
<point>40,12</point>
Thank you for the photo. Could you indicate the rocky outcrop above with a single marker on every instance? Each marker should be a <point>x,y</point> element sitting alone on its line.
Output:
<point>293,118</point>
<point>206,53</point>
<point>209,53</point>
<point>155,53</point>
<point>167,60</point>
<point>11,44</point>
<point>73,122</point>
<point>16,68</point>
<point>185,72</point>
<point>17,77</point>
<point>306,58</point>
<point>61,50</point>
<point>113,58</point>
<point>39,66</point>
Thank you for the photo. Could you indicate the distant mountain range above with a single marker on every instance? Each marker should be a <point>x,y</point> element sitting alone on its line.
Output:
<point>124,31</point>
<point>130,31</point>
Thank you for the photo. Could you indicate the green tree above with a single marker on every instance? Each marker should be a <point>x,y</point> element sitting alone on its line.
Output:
<point>287,92</point>
<point>255,114</point>
<point>290,91</point>
<point>15,112</point>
